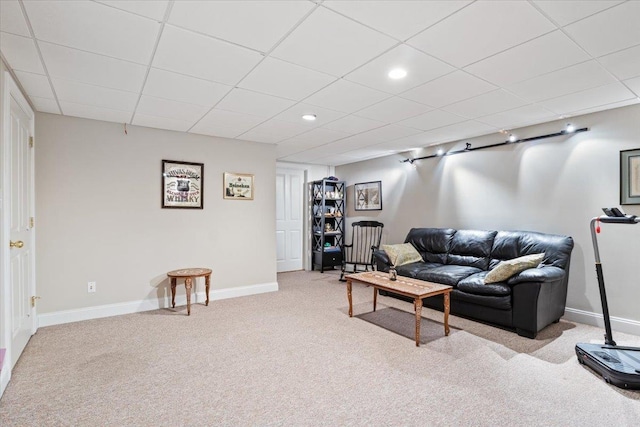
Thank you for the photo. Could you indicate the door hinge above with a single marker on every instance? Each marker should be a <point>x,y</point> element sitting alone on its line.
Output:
<point>31,142</point>
<point>32,222</point>
<point>33,300</point>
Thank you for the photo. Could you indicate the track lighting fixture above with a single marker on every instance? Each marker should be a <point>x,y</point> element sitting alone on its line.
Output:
<point>513,139</point>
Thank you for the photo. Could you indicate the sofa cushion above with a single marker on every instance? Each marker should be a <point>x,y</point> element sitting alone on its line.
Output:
<point>474,284</point>
<point>471,248</point>
<point>402,254</point>
<point>432,243</point>
<point>447,274</point>
<point>501,303</point>
<point>505,269</point>
<point>412,270</point>
<point>506,245</point>
<point>557,249</point>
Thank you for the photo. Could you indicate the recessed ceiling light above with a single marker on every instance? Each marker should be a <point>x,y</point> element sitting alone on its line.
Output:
<point>440,152</point>
<point>570,128</point>
<point>397,73</point>
<point>512,138</point>
<point>310,117</point>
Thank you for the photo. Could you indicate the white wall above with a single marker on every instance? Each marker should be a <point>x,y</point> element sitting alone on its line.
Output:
<point>554,185</point>
<point>99,216</point>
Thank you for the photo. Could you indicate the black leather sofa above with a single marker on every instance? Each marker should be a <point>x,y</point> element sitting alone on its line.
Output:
<point>526,302</point>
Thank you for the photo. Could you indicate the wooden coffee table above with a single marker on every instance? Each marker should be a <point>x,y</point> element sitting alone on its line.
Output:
<point>414,288</point>
<point>189,275</point>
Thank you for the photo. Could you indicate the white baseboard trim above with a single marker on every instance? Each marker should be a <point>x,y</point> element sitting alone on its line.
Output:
<point>618,324</point>
<point>5,376</point>
<point>108,310</point>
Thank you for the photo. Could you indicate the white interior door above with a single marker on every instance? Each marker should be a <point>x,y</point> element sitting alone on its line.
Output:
<point>21,250</point>
<point>18,274</point>
<point>289,219</point>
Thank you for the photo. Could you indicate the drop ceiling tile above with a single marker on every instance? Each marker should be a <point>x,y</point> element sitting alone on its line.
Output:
<point>451,88</point>
<point>527,115</point>
<point>35,84</point>
<point>159,107</point>
<point>432,120</point>
<point>225,123</point>
<point>314,137</point>
<point>161,122</point>
<point>295,113</point>
<point>241,22</point>
<point>97,96</point>
<point>634,85</point>
<point>354,124</point>
<point>609,31</point>
<point>274,131</point>
<point>71,64</point>
<point>567,11</point>
<point>200,56</point>
<point>562,82</point>
<point>96,113</point>
<point>178,87</point>
<point>456,132</point>
<point>548,53</point>
<point>624,64</point>
<point>346,96</point>
<point>151,9</point>
<point>254,103</point>
<point>21,53</point>
<point>399,19</point>
<point>483,105</point>
<point>376,136</point>
<point>12,20</point>
<point>279,78</point>
<point>632,101</point>
<point>94,27</point>
<point>481,30</point>
<point>420,68</point>
<point>608,94</point>
<point>393,110</point>
<point>348,44</point>
<point>45,105</point>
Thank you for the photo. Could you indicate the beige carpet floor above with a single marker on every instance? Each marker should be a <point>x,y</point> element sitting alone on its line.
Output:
<point>295,358</point>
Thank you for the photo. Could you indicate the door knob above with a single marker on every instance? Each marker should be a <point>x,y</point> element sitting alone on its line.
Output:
<point>18,244</point>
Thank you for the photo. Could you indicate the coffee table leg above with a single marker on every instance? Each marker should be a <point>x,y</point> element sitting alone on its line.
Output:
<point>418,305</point>
<point>207,283</point>
<point>375,298</point>
<point>173,292</point>
<point>349,297</point>
<point>446,314</point>
<point>187,285</point>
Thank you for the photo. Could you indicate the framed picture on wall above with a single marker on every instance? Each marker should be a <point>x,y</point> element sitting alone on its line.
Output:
<point>238,186</point>
<point>182,184</point>
<point>368,196</point>
<point>630,177</point>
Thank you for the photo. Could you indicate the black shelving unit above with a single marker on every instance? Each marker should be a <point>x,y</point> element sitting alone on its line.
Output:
<point>327,223</point>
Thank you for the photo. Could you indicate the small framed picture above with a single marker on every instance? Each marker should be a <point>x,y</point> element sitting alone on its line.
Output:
<point>368,196</point>
<point>182,184</point>
<point>630,177</point>
<point>237,186</point>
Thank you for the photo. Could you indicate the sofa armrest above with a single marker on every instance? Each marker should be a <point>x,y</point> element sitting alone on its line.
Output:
<point>541,274</point>
<point>381,260</point>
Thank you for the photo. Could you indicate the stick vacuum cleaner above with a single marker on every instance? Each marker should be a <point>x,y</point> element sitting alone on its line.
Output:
<point>618,365</point>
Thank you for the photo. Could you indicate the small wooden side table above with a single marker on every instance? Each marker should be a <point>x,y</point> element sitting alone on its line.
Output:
<point>189,275</point>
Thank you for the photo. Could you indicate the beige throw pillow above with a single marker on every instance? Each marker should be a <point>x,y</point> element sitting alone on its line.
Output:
<point>402,254</point>
<point>506,269</point>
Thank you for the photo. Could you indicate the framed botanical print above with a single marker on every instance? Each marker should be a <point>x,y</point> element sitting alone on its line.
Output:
<point>368,196</point>
<point>630,177</point>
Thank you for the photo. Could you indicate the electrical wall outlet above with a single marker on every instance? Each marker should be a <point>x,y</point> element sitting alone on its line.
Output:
<point>91,287</point>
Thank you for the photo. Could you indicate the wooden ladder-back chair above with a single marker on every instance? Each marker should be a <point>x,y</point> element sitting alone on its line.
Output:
<point>365,238</point>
